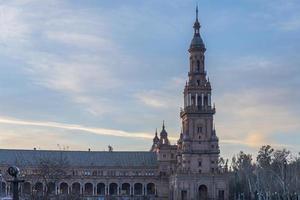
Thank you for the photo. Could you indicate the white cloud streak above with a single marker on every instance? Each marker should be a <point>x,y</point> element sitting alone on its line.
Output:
<point>97,131</point>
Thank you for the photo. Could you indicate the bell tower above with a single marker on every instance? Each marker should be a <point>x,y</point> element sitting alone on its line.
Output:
<point>199,149</point>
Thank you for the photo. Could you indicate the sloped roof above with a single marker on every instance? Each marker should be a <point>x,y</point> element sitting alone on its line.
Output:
<point>80,158</point>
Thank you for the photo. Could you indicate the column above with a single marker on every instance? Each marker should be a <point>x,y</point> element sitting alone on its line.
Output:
<point>196,99</point>
<point>202,99</point>
<point>190,99</point>
<point>81,189</point>
<point>94,190</point>
<point>209,100</point>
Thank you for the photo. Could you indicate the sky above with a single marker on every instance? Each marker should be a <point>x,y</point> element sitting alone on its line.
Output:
<point>78,74</point>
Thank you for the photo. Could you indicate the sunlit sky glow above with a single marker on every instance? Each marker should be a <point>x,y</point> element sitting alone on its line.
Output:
<point>86,74</point>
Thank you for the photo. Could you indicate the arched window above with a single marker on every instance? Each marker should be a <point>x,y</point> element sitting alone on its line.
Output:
<point>76,188</point>
<point>150,189</point>
<point>39,188</point>
<point>198,65</point>
<point>64,188</point>
<point>138,189</point>
<point>51,188</point>
<point>113,189</point>
<point>203,192</point>
<point>88,189</point>
<point>125,189</point>
<point>100,189</point>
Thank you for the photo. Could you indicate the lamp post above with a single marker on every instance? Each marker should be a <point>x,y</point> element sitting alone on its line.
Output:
<point>14,172</point>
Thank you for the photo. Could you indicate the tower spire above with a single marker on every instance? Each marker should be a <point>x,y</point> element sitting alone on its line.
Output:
<point>197,42</point>
<point>197,12</point>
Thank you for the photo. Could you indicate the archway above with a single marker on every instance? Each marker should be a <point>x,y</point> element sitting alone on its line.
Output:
<point>150,189</point>
<point>113,189</point>
<point>126,189</point>
<point>39,189</point>
<point>64,188</point>
<point>203,192</point>
<point>138,189</point>
<point>76,188</point>
<point>100,189</point>
<point>51,188</point>
<point>88,189</point>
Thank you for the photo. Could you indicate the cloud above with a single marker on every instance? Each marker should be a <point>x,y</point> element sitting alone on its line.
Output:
<point>74,127</point>
<point>98,131</point>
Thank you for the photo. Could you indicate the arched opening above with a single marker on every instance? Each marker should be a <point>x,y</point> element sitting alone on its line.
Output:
<point>76,188</point>
<point>193,100</point>
<point>51,188</point>
<point>203,192</point>
<point>100,189</point>
<point>39,189</point>
<point>113,189</point>
<point>199,99</point>
<point>64,188</point>
<point>138,189</point>
<point>205,101</point>
<point>88,189</point>
<point>125,189</point>
<point>2,189</point>
<point>150,189</point>
<point>198,65</point>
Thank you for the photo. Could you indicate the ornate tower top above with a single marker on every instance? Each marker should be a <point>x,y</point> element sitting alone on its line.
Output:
<point>164,135</point>
<point>197,42</point>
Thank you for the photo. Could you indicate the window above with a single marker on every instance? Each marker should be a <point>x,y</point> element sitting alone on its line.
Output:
<point>198,82</point>
<point>172,155</point>
<point>164,156</point>
<point>221,195</point>
<point>212,170</point>
<point>212,162</point>
<point>200,171</point>
<point>199,163</point>
<point>198,65</point>
<point>212,146</point>
<point>199,129</point>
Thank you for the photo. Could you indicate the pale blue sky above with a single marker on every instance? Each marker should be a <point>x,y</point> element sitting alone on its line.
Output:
<point>86,74</point>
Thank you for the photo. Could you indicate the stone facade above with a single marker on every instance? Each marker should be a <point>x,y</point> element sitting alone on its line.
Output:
<point>185,171</point>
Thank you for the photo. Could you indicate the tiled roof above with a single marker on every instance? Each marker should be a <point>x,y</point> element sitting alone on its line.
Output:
<point>80,158</point>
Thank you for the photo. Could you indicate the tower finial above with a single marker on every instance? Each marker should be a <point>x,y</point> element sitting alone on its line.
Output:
<point>197,12</point>
<point>156,132</point>
<point>163,124</point>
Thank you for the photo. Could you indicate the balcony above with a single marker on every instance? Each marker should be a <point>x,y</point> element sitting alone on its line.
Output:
<point>197,110</point>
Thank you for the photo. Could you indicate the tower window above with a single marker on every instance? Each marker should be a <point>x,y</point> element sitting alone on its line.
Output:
<point>199,129</point>
<point>199,163</point>
<point>198,65</point>
<point>198,82</point>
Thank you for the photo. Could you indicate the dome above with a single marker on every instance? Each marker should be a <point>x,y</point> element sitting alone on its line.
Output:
<point>197,42</point>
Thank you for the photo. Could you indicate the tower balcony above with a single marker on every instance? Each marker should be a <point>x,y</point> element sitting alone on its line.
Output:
<point>193,109</point>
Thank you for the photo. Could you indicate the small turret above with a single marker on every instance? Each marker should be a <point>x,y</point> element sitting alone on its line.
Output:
<point>164,135</point>
<point>155,142</point>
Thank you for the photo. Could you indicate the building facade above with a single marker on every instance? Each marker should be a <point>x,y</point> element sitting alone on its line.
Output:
<point>187,170</point>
